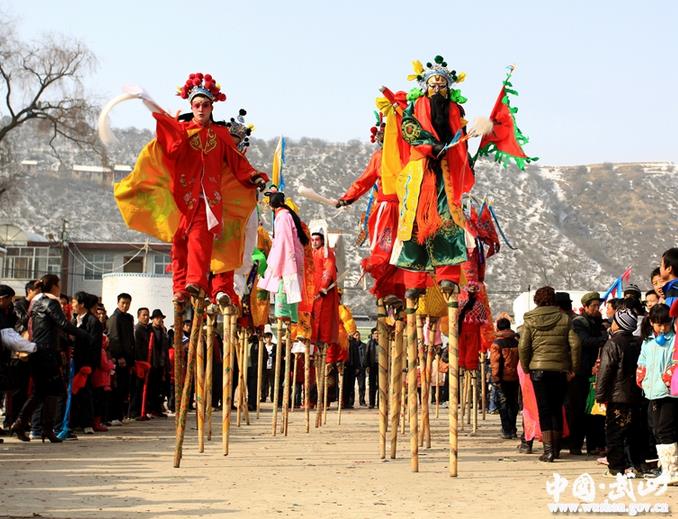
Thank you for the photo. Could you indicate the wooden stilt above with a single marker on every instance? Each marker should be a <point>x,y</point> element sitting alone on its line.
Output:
<point>307,383</point>
<point>227,368</point>
<point>437,375</point>
<point>469,397</point>
<point>412,382</point>
<point>319,378</point>
<point>211,318</point>
<point>421,356</point>
<point>239,359</point>
<point>276,377</point>
<point>340,389</point>
<point>199,307</point>
<point>294,381</point>
<point>200,389</point>
<point>427,373</point>
<point>245,378</point>
<point>474,386</point>
<point>260,370</point>
<point>451,298</point>
<point>396,385</point>
<point>483,400</point>
<point>403,390</point>
<point>463,398</point>
<point>178,358</point>
<point>326,373</point>
<point>286,386</point>
<point>382,354</point>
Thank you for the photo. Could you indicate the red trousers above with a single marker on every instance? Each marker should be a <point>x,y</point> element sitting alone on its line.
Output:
<point>192,251</point>
<point>421,279</point>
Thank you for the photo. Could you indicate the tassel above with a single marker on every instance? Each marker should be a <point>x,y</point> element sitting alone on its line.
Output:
<point>428,219</point>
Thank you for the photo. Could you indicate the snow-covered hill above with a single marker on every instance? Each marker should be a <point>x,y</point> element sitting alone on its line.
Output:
<point>573,227</point>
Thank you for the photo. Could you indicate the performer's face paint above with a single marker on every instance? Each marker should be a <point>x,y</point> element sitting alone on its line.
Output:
<point>436,85</point>
<point>202,110</point>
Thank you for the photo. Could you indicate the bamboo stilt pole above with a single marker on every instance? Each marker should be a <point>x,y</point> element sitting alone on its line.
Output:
<point>239,356</point>
<point>396,385</point>
<point>483,387</point>
<point>286,387</point>
<point>209,365</point>
<point>199,306</point>
<point>294,381</point>
<point>474,385</point>
<point>276,376</point>
<point>453,377</point>
<point>437,375</point>
<point>200,390</point>
<point>178,358</point>
<point>340,386</point>
<point>319,378</point>
<point>307,383</point>
<point>233,344</point>
<point>326,391</point>
<point>245,369</point>
<point>421,356</point>
<point>260,370</point>
<point>412,382</point>
<point>227,368</point>
<point>469,397</point>
<point>427,372</point>
<point>403,390</point>
<point>383,341</point>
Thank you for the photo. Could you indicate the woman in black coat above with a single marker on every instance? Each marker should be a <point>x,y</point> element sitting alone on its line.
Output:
<point>46,321</point>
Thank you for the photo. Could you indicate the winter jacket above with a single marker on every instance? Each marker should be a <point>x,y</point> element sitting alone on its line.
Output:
<point>120,328</point>
<point>21,312</point>
<point>142,334</point>
<point>653,362</point>
<point>670,290</point>
<point>87,350</point>
<point>616,380</point>
<point>592,336</point>
<point>504,357</point>
<point>547,341</point>
<point>47,320</point>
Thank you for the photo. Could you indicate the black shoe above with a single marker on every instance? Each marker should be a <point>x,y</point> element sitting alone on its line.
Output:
<point>414,293</point>
<point>547,456</point>
<point>193,290</point>
<point>19,429</point>
<point>49,435</point>
<point>448,287</point>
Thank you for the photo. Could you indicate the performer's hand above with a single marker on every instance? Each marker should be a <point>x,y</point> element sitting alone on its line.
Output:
<point>343,203</point>
<point>323,292</point>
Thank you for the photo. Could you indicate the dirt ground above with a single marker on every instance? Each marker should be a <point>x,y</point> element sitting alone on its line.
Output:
<point>128,473</point>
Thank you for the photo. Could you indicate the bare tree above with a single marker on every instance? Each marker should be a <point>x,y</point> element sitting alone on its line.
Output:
<point>42,82</point>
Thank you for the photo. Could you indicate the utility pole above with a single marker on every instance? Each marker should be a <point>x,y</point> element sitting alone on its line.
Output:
<point>64,256</point>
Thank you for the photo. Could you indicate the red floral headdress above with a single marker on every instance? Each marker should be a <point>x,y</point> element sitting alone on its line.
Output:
<point>201,84</point>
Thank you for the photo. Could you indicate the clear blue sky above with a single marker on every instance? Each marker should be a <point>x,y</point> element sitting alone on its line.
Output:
<point>597,79</point>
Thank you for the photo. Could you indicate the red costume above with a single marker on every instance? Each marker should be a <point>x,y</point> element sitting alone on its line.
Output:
<point>383,229</point>
<point>197,157</point>
<point>326,303</point>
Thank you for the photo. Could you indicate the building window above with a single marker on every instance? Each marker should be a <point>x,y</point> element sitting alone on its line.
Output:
<point>160,263</point>
<point>96,264</point>
<point>31,262</point>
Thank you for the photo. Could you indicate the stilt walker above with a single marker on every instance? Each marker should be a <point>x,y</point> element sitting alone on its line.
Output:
<point>199,308</point>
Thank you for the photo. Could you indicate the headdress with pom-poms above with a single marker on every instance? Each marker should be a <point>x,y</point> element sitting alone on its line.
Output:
<point>237,127</point>
<point>436,68</point>
<point>201,84</point>
<point>377,131</point>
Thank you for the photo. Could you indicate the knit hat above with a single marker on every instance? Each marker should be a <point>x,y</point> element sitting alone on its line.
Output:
<point>632,290</point>
<point>626,320</point>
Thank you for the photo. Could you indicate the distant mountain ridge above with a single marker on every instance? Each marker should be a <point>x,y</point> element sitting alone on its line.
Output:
<point>574,227</point>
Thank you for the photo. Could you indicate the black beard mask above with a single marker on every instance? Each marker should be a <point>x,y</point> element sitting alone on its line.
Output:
<point>440,117</point>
